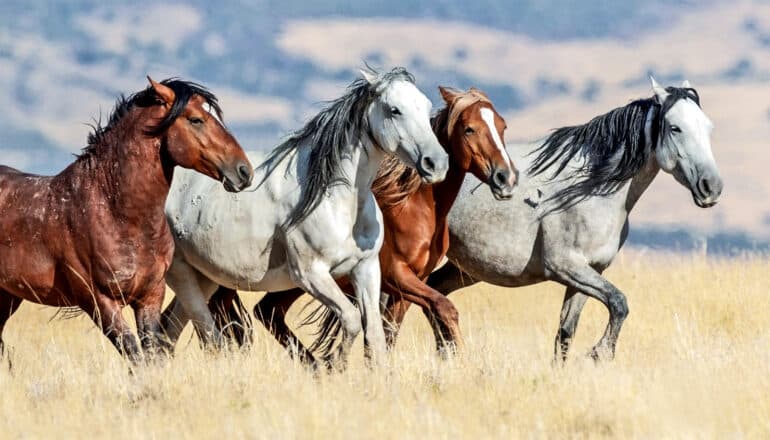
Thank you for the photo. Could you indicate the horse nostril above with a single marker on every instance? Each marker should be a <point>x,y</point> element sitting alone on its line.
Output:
<point>500,178</point>
<point>244,172</point>
<point>427,164</point>
<point>705,187</point>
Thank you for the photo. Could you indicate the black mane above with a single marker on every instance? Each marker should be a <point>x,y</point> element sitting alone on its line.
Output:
<point>327,135</point>
<point>614,146</point>
<point>184,91</point>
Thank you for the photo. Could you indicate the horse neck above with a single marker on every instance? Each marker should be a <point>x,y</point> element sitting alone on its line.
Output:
<point>641,182</point>
<point>445,192</point>
<point>129,170</point>
<point>365,161</point>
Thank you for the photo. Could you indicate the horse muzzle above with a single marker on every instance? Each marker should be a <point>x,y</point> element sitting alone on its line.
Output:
<point>433,169</point>
<point>238,177</point>
<point>502,183</point>
<point>706,191</point>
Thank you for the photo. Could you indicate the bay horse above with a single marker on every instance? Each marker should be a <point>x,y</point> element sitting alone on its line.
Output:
<point>416,228</point>
<point>570,217</point>
<point>311,218</point>
<point>94,237</point>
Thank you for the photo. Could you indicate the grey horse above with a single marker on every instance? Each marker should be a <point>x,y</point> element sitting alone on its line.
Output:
<point>569,217</point>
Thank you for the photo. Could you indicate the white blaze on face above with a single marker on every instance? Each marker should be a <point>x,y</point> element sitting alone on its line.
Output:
<point>210,110</point>
<point>489,117</point>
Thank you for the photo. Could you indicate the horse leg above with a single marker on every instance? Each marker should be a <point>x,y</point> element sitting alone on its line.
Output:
<point>271,312</point>
<point>192,290</point>
<point>231,317</point>
<point>147,313</point>
<point>365,279</point>
<point>441,313</point>
<point>444,280</point>
<point>570,314</point>
<point>587,280</point>
<point>395,311</point>
<point>319,283</point>
<point>107,314</point>
<point>9,304</point>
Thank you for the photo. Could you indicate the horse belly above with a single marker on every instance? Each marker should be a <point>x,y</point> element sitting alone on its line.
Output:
<point>496,241</point>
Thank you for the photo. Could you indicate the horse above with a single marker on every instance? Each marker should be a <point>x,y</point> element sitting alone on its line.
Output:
<point>311,218</point>
<point>569,218</point>
<point>416,230</point>
<point>94,238</point>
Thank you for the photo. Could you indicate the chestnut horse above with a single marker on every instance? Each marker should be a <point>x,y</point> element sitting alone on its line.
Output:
<point>95,236</point>
<point>416,231</point>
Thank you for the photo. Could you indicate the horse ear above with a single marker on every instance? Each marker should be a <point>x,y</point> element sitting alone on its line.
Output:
<point>369,75</point>
<point>659,90</point>
<point>686,84</point>
<point>164,92</point>
<point>448,94</point>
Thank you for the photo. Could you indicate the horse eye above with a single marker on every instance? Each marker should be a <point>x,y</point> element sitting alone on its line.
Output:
<point>195,121</point>
<point>469,131</point>
<point>675,129</point>
<point>395,111</point>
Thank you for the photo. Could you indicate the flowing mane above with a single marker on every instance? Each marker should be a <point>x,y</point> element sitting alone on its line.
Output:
<point>396,180</point>
<point>327,134</point>
<point>614,146</point>
<point>184,91</point>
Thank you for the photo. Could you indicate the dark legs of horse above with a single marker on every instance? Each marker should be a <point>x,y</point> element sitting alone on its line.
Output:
<point>231,318</point>
<point>8,306</point>
<point>106,313</point>
<point>590,282</point>
<point>271,312</point>
<point>443,281</point>
<point>151,335</point>
<point>570,314</point>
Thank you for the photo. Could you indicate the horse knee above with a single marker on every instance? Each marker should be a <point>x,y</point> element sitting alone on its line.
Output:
<point>351,322</point>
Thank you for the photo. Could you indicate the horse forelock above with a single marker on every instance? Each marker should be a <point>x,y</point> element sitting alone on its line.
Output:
<point>461,103</point>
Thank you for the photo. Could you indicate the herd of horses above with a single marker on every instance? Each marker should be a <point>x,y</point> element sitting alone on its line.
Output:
<point>370,207</point>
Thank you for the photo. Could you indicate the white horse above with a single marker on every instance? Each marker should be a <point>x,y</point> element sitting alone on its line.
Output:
<point>310,217</point>
<point>569,217</point>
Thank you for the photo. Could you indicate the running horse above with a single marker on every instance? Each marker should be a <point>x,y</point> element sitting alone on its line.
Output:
<point>416,228</point>
<point>311,218</point>
<point>95,237</point>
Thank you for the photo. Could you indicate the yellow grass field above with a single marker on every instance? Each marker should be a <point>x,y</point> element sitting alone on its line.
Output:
<point>693,361</point>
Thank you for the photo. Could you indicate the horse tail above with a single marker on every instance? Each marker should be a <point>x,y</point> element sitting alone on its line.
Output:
<point>329,330</point>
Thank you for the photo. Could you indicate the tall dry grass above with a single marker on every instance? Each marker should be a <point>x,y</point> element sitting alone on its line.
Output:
<point>693,361</point>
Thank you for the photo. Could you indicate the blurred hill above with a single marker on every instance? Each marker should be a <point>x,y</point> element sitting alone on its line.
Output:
<point>544,63</point>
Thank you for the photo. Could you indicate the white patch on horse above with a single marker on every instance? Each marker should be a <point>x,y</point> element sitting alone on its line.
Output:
<point>489,117</point>
<point>210,110</point>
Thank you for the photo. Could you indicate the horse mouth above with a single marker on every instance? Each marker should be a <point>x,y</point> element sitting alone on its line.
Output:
<point>704,203</point>
<point>498,195</point>
<point>229,185</point>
